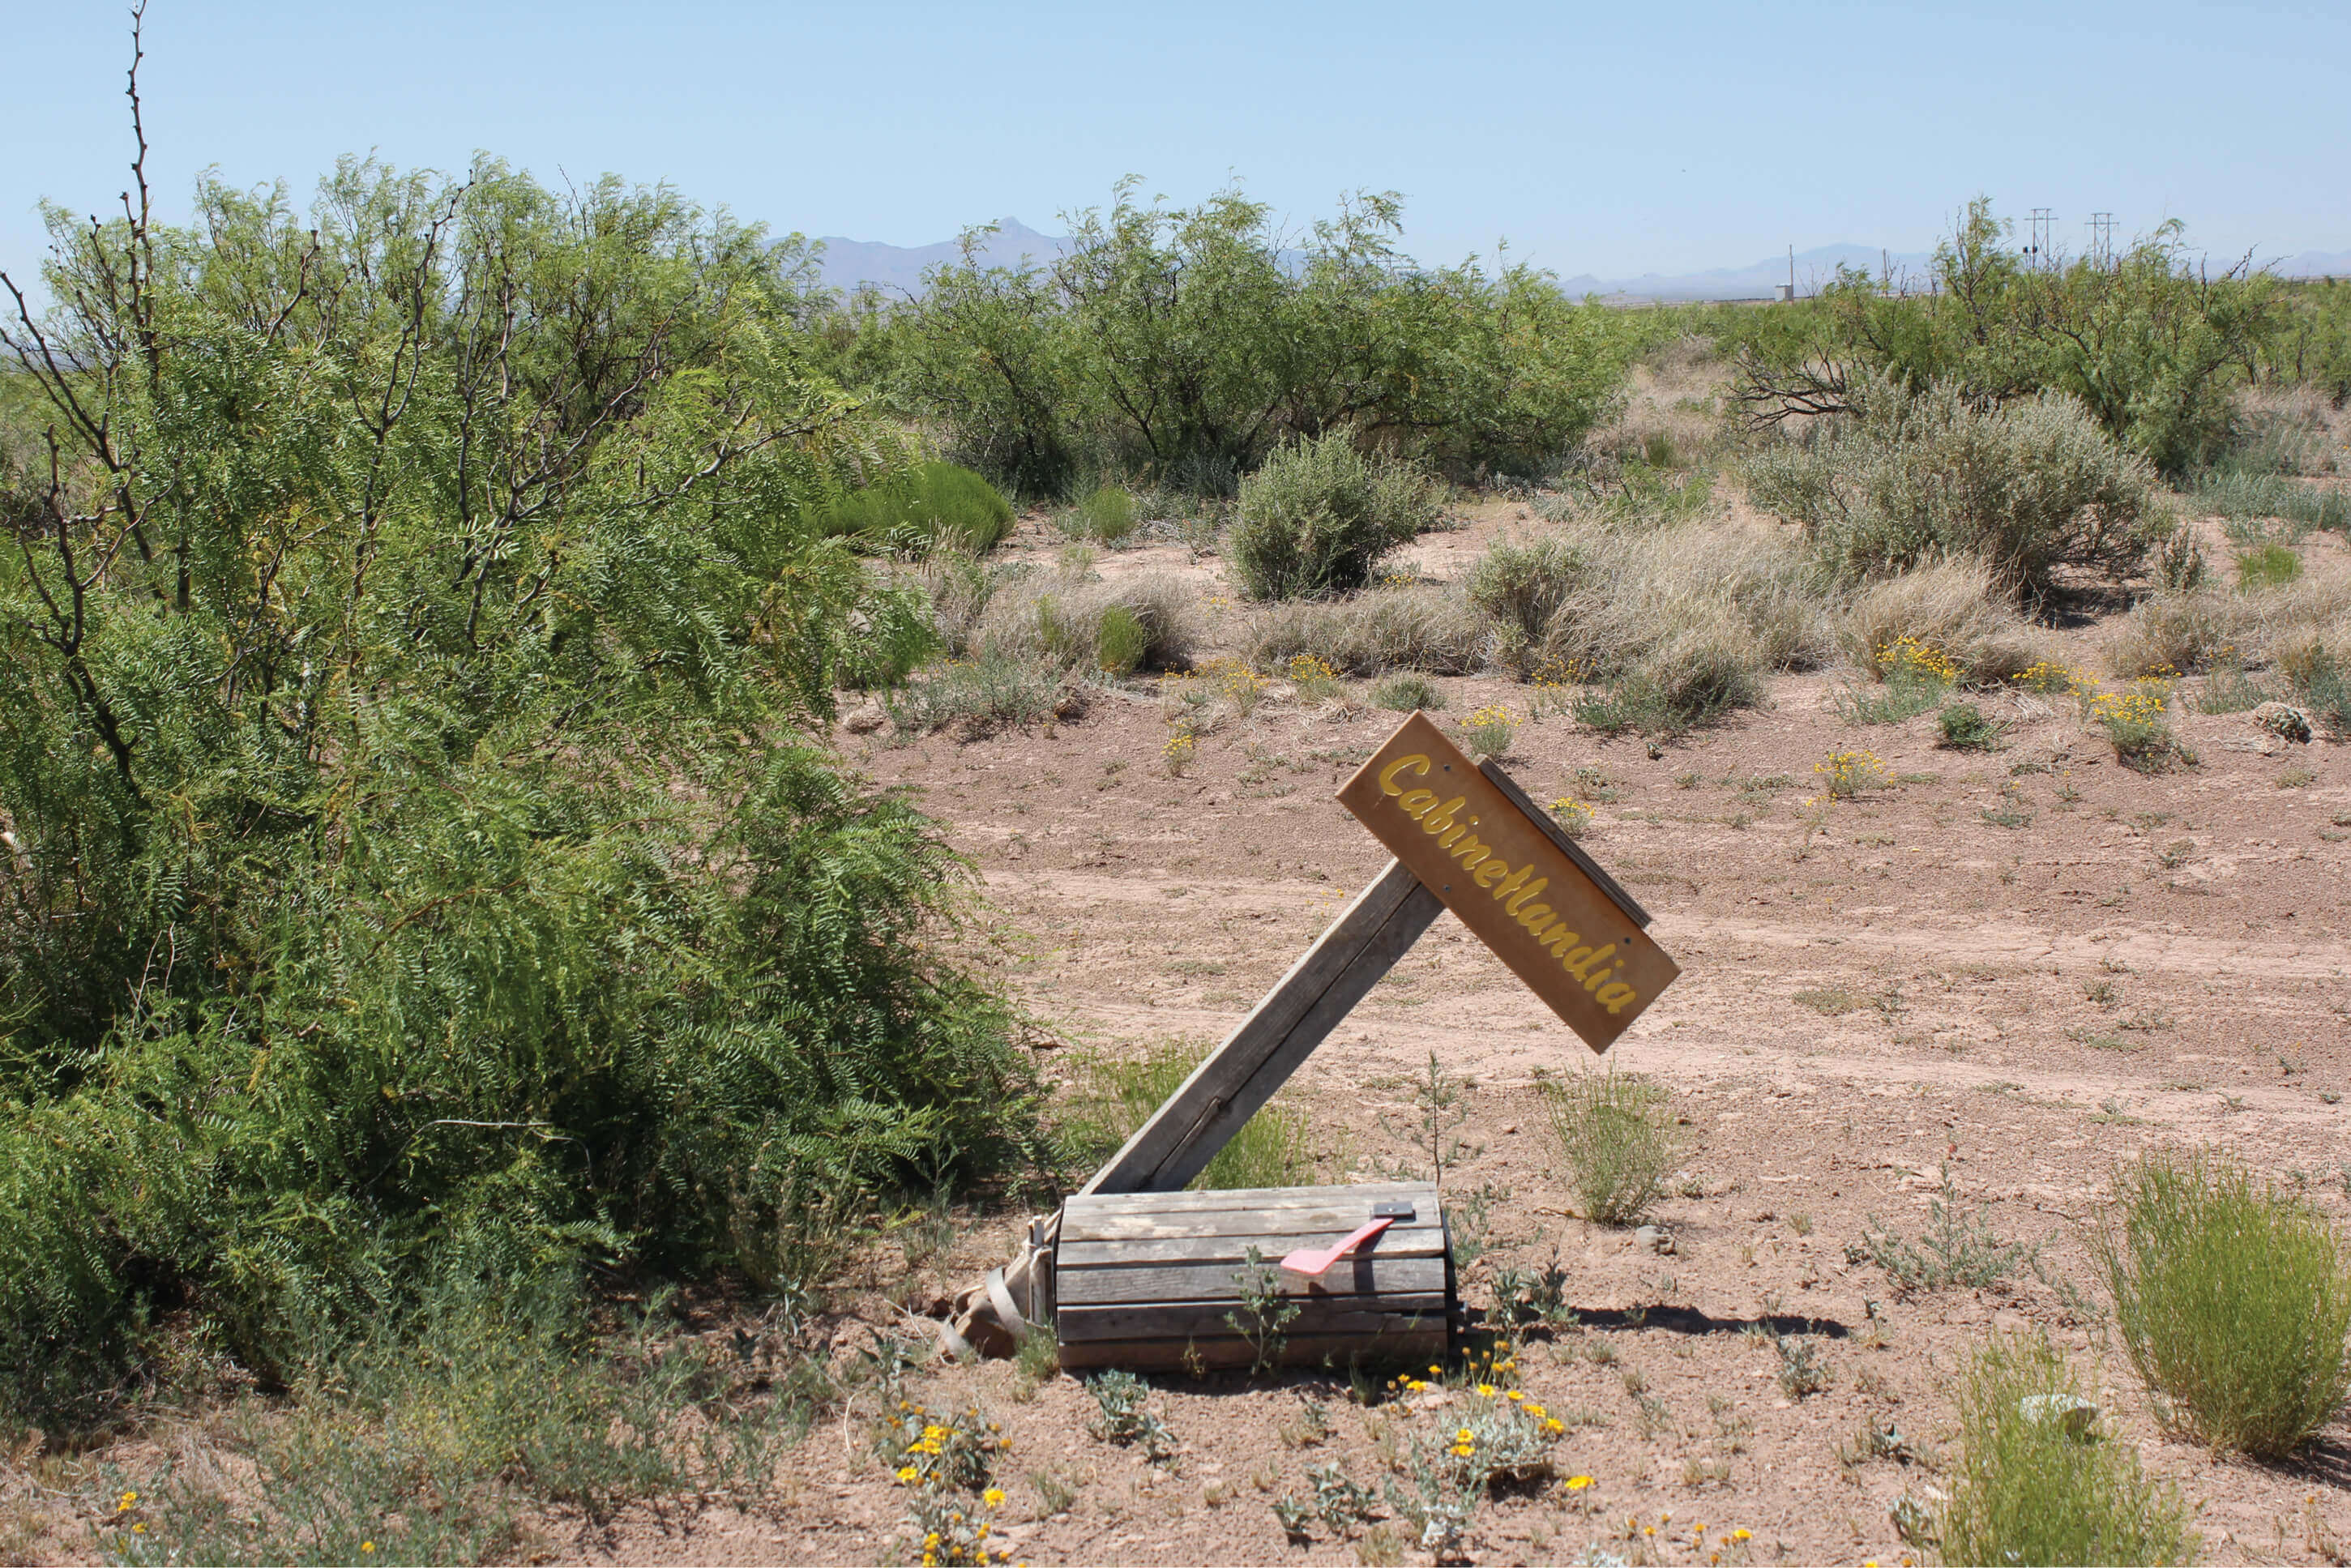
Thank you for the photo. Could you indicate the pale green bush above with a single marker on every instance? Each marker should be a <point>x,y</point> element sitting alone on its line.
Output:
<point>1320,514</point>
<point>2031,486</point>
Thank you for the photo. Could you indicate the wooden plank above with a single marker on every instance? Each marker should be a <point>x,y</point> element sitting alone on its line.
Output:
<point>1484,852</point>
<point>1243,1073</point>
<point>1308,1350</point>
<point>1566,846</point>
<point>1128,1251</point>
<point>1080,1213</point>
<point>1205,1320</point>
<point>1308,1222</point>
<point>1219,1282</point>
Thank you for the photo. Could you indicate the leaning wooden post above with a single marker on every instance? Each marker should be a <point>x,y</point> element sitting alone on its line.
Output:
<point>1241,1076</point>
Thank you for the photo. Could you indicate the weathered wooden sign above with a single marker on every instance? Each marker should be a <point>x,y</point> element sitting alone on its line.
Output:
<point>1521,885</point>
<point>1465,838</point>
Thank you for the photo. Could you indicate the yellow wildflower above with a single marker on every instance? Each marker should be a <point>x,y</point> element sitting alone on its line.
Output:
<point>1578,1483</point>
<point>1515,1394</point>
<point>906,1474</point>
<point>993,1497</point>
<point>1742,1534</point>
<point>1554,1427</point>
<point>1485,1391</point>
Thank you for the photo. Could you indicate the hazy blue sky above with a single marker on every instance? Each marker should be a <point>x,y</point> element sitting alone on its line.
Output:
<point>1611,140</point>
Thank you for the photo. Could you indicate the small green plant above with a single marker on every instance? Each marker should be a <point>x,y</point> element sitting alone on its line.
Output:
<point>1440,1104</point>
<point>1489,731</point>
<point>1108,515</point>
<point>2230,690</point>
<point>1265,1311</point>
<point>1407,692</point>
<point>1802,1371</point>
<point>1897,700</point>
<point>1124,1418</point>
<point>1618,1139</point>
<point>1532,1295</point>
<point>1574,817</point>
<point>1956,1249</point>
<point>1845,774</point>
<point>937,506</point>
<point>1966,727</point>
<point>2233,1298</point>
<point>2323,688</point>
<point>1121,639</point>
<point>2033,1484</point>
<point>1314,677</point>
<point>2266,566</point>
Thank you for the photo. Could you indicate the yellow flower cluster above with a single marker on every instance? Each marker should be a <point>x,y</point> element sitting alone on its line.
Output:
<point>1847,773</point>
<point>1492,714</point>
<point>1308,670</point>
<point>2145,704</point>
<point>1179,750</point>
<point>1907,659</point>
<point>2049,679</point>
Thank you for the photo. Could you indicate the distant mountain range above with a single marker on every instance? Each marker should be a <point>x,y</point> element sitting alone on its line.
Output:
<point>896,268</point>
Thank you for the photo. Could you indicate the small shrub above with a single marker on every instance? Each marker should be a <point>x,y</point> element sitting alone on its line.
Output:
<point>2029,485</point>
<point>982,696</point>
<point>2266,566</point>
<point>938,505</point>
<point>1966,727</point>
<point>1120,640</point>
<point>1406,693</point>
<point>1953,605</point>
<point>1618,1139</point>
<point>1574,817</point>
<point>2230,690</point>
<point>1489,731</point>
<point>1319,517</point>
<point>1108,515</point>
<point>2323,688</point>
<point>1956,1249</point>
<point>1382,629</point>
<point>1313,677</point>
<point>2028,1490</point>
<point>2134,724</point>
<point>1688,683</point>
<point>1845,774</point>
<point>1802,1369</point>
<point>2233,1299</point>
<point>1115,1096</point>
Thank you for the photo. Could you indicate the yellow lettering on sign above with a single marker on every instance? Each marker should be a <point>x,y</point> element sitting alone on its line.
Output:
<point>1415,762</point>
<point>1412,802</point>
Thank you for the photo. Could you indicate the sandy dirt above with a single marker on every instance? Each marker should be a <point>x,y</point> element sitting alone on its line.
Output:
<point>2006,971</point>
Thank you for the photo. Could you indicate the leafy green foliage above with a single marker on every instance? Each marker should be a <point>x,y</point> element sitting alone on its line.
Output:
<point>2233,1299</point>
<point>1320,516</point>
<point>1190,342</point>
<point>934,505</point>
<point>2148,342</point>
<point>2267,566</point>
<point>413,847</point>
<point>1406,693</point>
<point>2029,1489</point>
<point>1965,727</point>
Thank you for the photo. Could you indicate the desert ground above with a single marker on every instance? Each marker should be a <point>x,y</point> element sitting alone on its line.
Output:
<point>1983,984</point>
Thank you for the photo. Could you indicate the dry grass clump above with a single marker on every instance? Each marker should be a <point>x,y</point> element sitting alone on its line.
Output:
<point>1061,620</point>
<point>1954,606</point>
<point>1680,622</point>
<point>2184,632</point>
<point>1379,630</point>
<point>2036,1483</point>
<point>2233,1299</point>
<point>1670,414</point>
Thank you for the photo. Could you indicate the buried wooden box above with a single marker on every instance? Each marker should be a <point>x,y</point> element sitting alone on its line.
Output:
<point>1149,1280</point>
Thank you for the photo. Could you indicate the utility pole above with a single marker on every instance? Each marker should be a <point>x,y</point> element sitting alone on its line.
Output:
<point>2038,251</point>
<point>2102,237</point>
